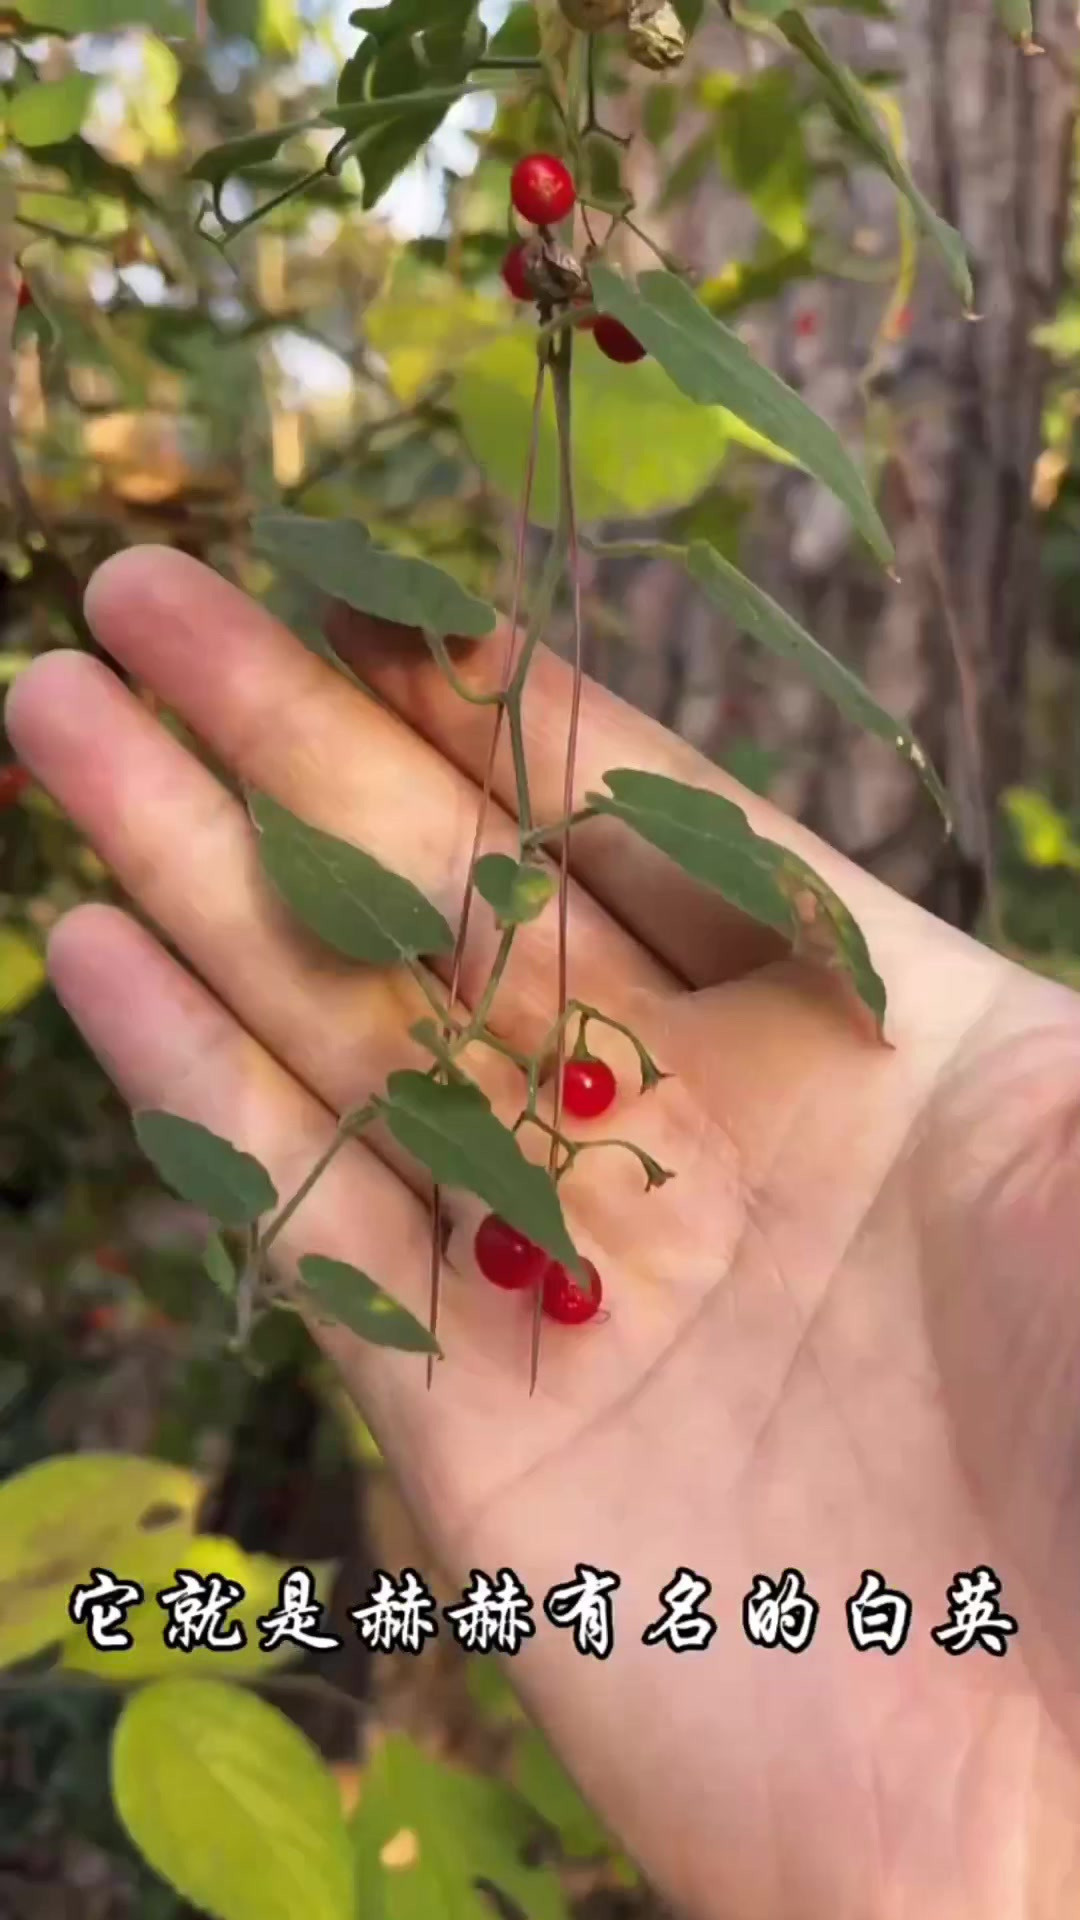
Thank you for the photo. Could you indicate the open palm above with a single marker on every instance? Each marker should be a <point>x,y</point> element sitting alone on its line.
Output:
<point>845,1337</point>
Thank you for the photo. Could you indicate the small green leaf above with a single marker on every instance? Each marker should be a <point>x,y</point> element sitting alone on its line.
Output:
<point>764,620</point>
<point>710,364</point>
<point>355,116</point>
<point>51,110</point>
<point>453,1132</point>
<point>356,905</point>
<point>1015,17</point>
<point>518,890</point>
<point>338,557</point>
<point>358,1303</point>
<point>65,1516</point>
<point>231,1804</point>
<point>205,1169</point>
<point>711,839</point>
<point>431,1838</point>
<point>852,109</point>
<point>167,17</point>
<point>218,1264</point>
<point>251,149</point>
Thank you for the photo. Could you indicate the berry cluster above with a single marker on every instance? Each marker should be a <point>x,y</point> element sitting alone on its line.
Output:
<point>511,1261</point>
<point>542,191</point>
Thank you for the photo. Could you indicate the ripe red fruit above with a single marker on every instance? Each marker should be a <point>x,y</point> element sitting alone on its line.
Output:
<point>542,189</point>
<point>513,272</point>
<point>13,781</point>
<point>588,1088</point>
<point>505,1257</point>
<point>25,297</point>
<point>566,1300</point>
<point>617,341</point>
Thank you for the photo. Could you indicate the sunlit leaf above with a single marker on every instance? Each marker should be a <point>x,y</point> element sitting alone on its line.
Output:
<point>352,902</point>
<point>64,1517</point>
<point>50,110</point>
<point>711,839</point>
<point>453,1132</point>
<point>1015,17</point>
<point>204,1169</point>
<point>1045,835</point>
<point>637,453</point>
<point>345,1294</point>
<point>756,614</point>
<point>22,971</point>
<point>853,110</point>
<point>518,890</point>
<point>339,558</point>
<point>231,1804</point>
<point>430,1837</point>
<point>710,364</point>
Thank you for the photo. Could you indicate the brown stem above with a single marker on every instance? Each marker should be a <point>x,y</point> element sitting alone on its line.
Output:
<point>485,802</point>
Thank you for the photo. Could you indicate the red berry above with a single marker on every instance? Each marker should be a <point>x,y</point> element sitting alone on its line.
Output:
<point>505,1257</point>
<point>566,1300</point>
<point>588,1088</point>
<point>514,274</point>
<point>617,341</point>
<point>13,781</point>
<point>806,324</point>
<point>542,189</point>
<point>25,297</point>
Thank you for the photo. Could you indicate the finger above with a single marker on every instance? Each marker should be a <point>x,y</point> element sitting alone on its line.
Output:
<point>167,1043</point>
<point>288,724</point>
<point>694,933</point>
<point>184,849</point>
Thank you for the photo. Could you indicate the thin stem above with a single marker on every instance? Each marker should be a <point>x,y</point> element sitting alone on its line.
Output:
<point>482,813</point>
<point>441,653</point>
<point>537,835</point>
<point>431,994</point>
<point>347,1128</point>
<point>635,549</point>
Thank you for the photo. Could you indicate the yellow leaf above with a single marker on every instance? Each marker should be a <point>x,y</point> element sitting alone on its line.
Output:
<point>22,971</point>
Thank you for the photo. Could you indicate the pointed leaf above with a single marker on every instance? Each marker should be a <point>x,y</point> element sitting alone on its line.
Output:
<point>205,1169</point>
<point>766,621</point>
<point>218,1264</point>
<point>431,1840</point>
<point>356,905</point>
<point>251,149</point>
<point>358,1303</point>
<point>65,1516</point>
<point>338,557</point>
<point>453,1132</point>
<point>710,363</point>
<point>518,890</point>
<point>231,1804</point>
<point>711,839</point>
<point>849,103</point>
<point>355,116</point>
<point>1015,17</point>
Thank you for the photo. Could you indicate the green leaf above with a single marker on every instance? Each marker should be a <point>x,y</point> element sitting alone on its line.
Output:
<point>251,149</point>
<point>167,17</point>
<point>154,1568</point>
<point>65,1516</point>
<point>764,620</point>
<point>358,1303</point>
<point>852,109</point>
<point>711,839</point>
<point>356,116</point>
<point>1015,17</point>
<point>205,1169</point>
<point>428,1836</point>
<point>453,1132</point>
<point>709,363</point>
<point>231,1804</point>
<point>635,455</point>
<point>518,891</point>
<point>356,905</point>
<point>51,110</point>
<point>22,971</point>
<point>218,1264</point>
<point>338,557</point>
<point>546,1785</point>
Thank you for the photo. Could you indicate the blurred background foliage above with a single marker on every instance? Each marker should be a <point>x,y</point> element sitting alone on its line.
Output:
<point>352,352</point>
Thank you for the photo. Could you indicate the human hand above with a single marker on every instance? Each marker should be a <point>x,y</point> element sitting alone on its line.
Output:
<point>846,1336</point>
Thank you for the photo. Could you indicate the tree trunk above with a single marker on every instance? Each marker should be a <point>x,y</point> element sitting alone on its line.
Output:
<point>990,134</point>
